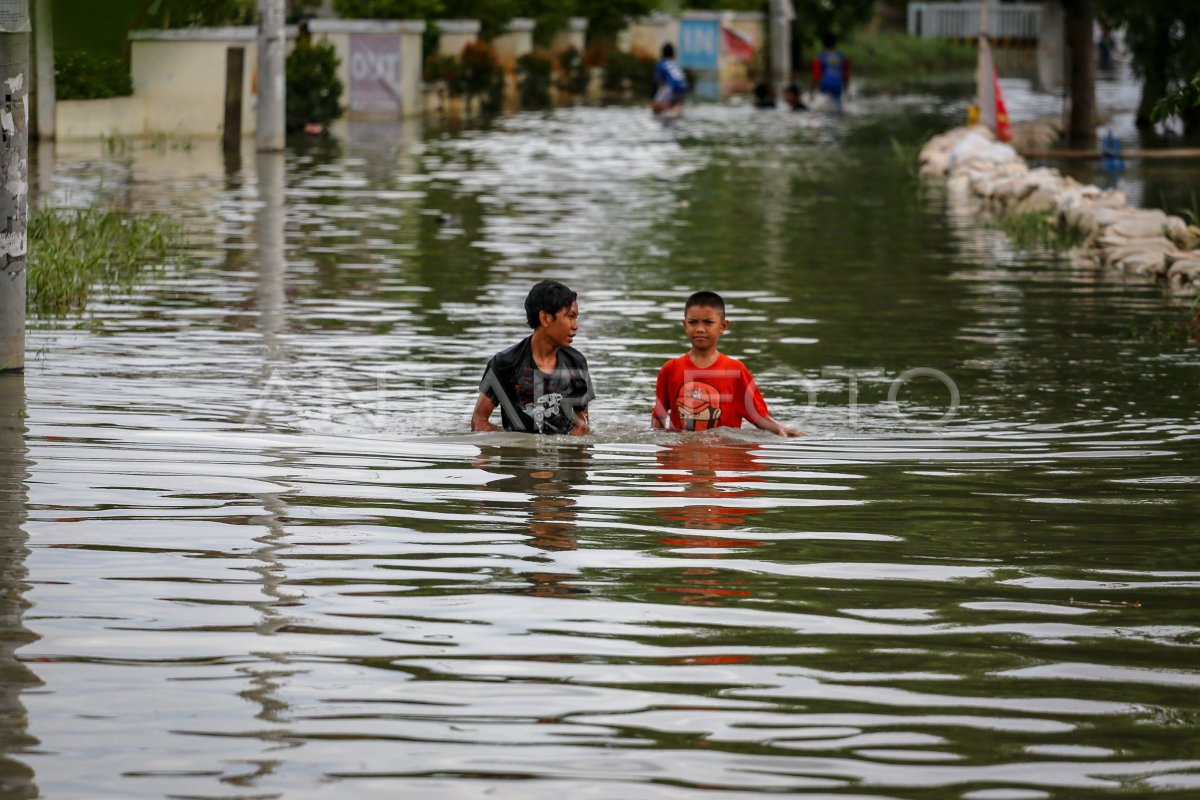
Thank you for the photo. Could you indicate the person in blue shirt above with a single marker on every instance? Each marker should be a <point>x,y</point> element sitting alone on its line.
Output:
<point>831,71</point>
<point>670,84</point>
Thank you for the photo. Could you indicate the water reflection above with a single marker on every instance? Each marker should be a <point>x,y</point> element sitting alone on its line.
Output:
<point>350,594</point>
<point>16,776</point>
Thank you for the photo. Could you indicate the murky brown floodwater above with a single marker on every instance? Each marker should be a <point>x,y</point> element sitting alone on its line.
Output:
<point>252,551</point>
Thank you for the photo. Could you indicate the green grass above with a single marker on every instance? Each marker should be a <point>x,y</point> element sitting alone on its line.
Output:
<point>897,56</point>
<point>1032,230</point>
<point>74,253</point>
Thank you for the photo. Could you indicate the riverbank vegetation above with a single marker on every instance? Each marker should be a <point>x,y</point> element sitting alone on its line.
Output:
<point>897,56</point>
<point>74,253</point>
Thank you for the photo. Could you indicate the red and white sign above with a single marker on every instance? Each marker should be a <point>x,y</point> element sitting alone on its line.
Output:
<point>737,45</point>
<point>375,73</point>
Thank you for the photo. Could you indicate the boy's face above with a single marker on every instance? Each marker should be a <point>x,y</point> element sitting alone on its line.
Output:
<point>562,327</point>
<point>704,326</point>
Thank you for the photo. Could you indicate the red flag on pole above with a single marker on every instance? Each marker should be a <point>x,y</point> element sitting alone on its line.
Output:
<point>992,111</point>
<point>1003,123</point>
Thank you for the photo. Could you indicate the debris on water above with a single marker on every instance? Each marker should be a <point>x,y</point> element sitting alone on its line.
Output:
<point>1108,603</point>
<point>449,219</point>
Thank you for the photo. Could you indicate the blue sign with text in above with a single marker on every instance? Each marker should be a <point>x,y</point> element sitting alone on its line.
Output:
<point>700,52</point>
<point>699,44</point>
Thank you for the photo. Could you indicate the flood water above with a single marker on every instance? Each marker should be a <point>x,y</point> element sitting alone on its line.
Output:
<point>251,550</point>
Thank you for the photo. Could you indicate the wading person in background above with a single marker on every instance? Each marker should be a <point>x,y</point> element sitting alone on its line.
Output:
<point>670,84</point>
<point>831,71</point>
<point>541,383</point>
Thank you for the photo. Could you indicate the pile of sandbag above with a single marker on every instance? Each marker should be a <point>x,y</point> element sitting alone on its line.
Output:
<point>1138,241</point>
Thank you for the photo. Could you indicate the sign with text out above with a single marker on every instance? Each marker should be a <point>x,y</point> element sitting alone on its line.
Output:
<point>375,73</point>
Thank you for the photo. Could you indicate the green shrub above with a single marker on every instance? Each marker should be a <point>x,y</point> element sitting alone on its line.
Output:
<point>479,67</point>
<point>576,76</point>
<point>625,71</point>
<point>314,92</point>
<point>81,75</point>
<point>444,69</point>
<point>533,80</point>
<point>483,77</point>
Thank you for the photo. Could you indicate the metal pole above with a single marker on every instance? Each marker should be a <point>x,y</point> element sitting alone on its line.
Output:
<point>232,139</point>
<point>43,86</point>
<point>270,121</point>
<point>14,179</point>
<point>782,14</point>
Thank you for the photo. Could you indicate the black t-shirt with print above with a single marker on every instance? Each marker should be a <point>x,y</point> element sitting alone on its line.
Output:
<point>533,401</point>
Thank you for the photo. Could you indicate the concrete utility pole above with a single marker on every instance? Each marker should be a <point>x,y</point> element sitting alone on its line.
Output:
<point>1081,18</point>
<point>14,179</point>
<point>44,97</point>
<point>782,14</point>
<point>271,45</point>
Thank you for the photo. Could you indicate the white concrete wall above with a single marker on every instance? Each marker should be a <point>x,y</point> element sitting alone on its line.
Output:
<point>179,80</point>
<point>457,34</point>
<point>95,119</point>
<point>648,35</point>
<point>574,35</point>
<point>514,42</point>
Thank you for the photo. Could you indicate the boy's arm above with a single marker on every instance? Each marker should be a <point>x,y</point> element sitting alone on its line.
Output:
<point>768,423</point>
<point>483,410</point>
<point>582,425</point>
<point>756,409</point>
<point>660,417</point>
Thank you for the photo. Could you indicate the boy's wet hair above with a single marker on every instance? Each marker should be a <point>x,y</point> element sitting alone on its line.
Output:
<point>829,41</point>
<point>668,50</point>
<point>549,296</point>
<point>707,300</point>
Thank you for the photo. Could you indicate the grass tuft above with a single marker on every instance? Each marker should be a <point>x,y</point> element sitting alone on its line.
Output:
<point>76,252</point>
<point>1033,230</point>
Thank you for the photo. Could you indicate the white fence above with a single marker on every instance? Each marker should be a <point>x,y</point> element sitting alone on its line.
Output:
<point>961,20</point>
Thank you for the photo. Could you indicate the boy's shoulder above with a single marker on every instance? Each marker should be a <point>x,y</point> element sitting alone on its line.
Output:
<point>573,355</point>
<point>511,355</point>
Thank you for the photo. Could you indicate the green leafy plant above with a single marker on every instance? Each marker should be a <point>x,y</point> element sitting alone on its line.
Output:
<point>1184,98</point>
<point>483,78</point>
<point>1032,230</point>
<point>534,80</point>
<point>444,69</point>
<point>576,76</point>
<point>81,75</point>
<point>75,252</point>
<point>314,91</point>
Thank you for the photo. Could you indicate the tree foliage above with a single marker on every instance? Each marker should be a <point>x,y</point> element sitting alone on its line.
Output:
<point>1163,37</point>
<point>388,9</point>
<point>1179,102</point>
<point>199,13</point>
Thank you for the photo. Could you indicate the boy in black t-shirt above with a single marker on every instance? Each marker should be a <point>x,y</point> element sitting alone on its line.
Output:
<point>541,383</point>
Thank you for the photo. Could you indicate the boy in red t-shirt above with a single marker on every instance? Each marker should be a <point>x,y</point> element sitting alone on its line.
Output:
<point>704,389</point>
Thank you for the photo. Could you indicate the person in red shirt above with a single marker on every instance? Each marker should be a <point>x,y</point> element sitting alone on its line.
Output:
<point>705,389</point>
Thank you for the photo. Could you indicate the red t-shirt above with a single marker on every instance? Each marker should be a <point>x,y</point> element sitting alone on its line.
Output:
<point>698,399</point>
